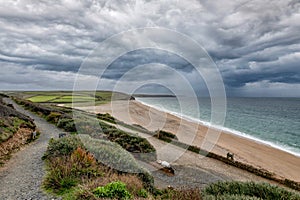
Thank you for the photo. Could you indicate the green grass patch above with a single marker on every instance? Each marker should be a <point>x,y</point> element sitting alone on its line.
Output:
<point>42,98</point>
<point>73,99</point>
<point>113,190</point>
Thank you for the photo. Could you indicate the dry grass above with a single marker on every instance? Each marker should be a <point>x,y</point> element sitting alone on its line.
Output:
<point>20,138</point>
<point>181,194</point>
<point>65,172</point>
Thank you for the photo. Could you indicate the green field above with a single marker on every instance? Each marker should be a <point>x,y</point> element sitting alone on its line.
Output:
<point>70,99</point>
<point>38,99</point>
<point>80,98</point>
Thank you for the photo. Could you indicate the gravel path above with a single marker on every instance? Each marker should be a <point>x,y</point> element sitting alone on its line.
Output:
<point>22,176</point>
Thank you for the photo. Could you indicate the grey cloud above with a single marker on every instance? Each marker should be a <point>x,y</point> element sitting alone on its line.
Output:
<point>251,41</point>
<point>145,56</point>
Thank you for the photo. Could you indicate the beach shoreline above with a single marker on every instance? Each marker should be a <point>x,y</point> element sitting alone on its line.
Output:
<point>224,129</point>
<point>282,164</point>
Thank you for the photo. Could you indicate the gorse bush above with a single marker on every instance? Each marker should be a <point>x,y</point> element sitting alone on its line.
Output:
<point>114,190</point>
<point>250,190</point>
<point>62,146</point>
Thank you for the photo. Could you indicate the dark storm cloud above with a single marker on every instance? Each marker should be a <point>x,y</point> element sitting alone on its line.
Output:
<point>255,43</point>
<point>145,56</point>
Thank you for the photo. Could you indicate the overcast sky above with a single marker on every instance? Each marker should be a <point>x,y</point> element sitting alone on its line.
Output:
<point>254,44</point>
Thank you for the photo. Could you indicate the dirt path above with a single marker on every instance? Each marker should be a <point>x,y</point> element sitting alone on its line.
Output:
<point>22,176</point>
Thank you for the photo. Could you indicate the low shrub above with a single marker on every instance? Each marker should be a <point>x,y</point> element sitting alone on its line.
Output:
<point>110,154</point>
<point>165,136</point>
<point>67,124</point>
<point>142,193</point>
<point>140,146</point>
<point>250,189</point>
<point>113,190</point>
<point>10,125</point>
<point>62,146</point>
<point>106,117</point>
<point>53,117</point>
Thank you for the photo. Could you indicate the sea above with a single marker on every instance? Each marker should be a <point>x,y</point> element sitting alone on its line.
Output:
<point>272,121</point>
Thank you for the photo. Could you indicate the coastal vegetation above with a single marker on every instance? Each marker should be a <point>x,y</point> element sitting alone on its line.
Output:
<point>77,171</point>
<point>79,167</point>
<point>15,130</point>
<point>85,166</point>
<point>84,122</point>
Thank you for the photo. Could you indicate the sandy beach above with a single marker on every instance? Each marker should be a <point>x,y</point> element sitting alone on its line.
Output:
<point>281,163</point>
